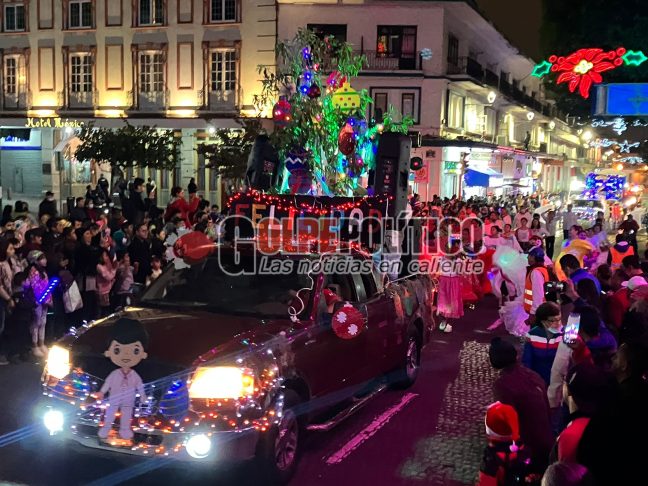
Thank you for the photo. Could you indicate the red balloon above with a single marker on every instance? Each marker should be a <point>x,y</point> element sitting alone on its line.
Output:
<point>193,247</point>
<point>348,322</point>
<point>347,140</point>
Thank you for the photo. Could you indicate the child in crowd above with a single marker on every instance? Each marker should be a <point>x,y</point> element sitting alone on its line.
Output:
<point>156,270</point>
<point>124,280</point>
<point>19,321</point>
<point>39,283</point>
<point>106,273</point>
<point>504,461</point>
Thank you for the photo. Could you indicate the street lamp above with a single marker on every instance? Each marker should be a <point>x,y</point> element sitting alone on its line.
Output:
<point>491,97</point>
<point>530,115</point>
<point>587,135</point>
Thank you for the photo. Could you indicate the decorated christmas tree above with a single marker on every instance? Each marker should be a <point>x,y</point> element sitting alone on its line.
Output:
<point>322,130</point>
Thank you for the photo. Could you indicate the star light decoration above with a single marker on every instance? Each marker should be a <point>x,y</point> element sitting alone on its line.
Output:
<point>625,146</point>
<point>582,69</point>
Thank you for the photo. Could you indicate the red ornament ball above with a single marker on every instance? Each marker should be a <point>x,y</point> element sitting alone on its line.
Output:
<point>314,91</point>
<point>193,247</point>
<point>281,112</point>
<point>347,140</point>
<point>348,322</point>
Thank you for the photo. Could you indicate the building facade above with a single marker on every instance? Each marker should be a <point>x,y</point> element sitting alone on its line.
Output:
<point>187,65</point>
<point>475,105</point>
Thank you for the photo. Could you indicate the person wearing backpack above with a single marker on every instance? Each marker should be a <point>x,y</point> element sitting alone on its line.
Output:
<point>505,462</point>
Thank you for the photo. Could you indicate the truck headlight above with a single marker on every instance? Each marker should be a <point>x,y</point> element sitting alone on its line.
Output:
<point>58,362</point>
<point>222,382</point>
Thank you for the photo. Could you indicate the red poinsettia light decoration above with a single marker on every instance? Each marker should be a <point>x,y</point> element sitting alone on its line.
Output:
<point>583,68</point>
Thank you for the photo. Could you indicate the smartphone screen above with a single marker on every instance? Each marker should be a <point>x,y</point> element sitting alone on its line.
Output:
<point>571,329</point>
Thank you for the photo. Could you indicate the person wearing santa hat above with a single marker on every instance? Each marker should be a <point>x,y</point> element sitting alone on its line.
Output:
<point>504,458</point>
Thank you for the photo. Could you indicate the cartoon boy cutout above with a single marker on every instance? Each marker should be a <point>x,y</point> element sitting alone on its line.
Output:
<point>126,350</point>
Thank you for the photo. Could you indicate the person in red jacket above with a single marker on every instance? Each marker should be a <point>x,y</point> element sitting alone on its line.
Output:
<point>178,206</point>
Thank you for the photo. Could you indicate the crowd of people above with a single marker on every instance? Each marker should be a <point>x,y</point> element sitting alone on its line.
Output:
<point>562,397</point>
<point>57,270</point>
<point>572,387</point>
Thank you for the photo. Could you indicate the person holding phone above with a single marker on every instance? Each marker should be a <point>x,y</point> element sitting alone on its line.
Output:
<point>588,340</point>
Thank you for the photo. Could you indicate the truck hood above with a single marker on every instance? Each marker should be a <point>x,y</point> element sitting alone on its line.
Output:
<point>176,339</point>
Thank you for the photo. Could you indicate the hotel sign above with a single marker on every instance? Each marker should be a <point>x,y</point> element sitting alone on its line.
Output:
<point>52,122</point>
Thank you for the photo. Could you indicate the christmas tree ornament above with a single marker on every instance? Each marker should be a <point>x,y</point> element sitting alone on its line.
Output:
<point>346,99</point>
<point>348,322</point>
<point>335,80</point>
<point>297,159</point>
<point>281,112</point>
<point>314,91</point>
<point>347,140</point>
<point>355,165</point>
<point>300,181</point>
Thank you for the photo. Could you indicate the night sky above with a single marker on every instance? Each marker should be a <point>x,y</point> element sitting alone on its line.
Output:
<point>518,20</point>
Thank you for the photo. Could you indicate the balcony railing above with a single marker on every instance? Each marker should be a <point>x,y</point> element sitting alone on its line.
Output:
<point>219,100</point>
<point>19,100</point>
<point>82,100</point>
<point>149,101</point>
<point>378,61</point>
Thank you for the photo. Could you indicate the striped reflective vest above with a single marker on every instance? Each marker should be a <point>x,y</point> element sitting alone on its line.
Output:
<point>528,288</point>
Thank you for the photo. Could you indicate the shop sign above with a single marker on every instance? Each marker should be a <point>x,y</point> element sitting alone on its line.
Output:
<point>52,122</point>
<point>452,167</point>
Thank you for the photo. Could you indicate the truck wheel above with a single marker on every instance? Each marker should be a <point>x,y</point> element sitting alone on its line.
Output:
<point>279,448</point>
<point>407,374</point>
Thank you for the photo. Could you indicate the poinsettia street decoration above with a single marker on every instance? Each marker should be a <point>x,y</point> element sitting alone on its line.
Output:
<point>583,68</point>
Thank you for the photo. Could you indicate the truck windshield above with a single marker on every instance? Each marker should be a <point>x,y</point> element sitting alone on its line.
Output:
<point>209,285</point>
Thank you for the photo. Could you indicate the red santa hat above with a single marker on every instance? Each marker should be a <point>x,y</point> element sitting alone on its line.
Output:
<point>502,423</point>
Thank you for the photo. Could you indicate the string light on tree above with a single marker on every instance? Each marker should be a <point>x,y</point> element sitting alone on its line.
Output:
<point>320,113</point>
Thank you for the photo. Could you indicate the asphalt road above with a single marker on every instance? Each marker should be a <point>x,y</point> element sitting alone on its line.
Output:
<point>431,434</point>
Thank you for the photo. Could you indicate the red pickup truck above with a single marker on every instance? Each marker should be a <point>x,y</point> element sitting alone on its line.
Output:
<point>242,363</point>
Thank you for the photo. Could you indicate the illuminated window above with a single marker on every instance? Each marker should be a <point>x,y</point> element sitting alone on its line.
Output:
<point>223,10</point>
<point>81,73</point>
<point>80,14</point>
<point>151,72</point>
<point>14,18</point>
<point>455,110</point>
<point>396,41</point>
<point>151,12</point>
<point>223,70</point>
<point>11,75</point>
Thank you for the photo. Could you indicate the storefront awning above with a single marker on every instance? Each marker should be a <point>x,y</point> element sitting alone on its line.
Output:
<point>480,178</point>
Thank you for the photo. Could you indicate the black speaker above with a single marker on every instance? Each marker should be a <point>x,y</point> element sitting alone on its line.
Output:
<point>392,170</point>
<point>263,164</point>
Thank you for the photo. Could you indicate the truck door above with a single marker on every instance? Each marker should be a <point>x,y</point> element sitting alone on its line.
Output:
<point>381,318</point>
<point>329,362</point>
